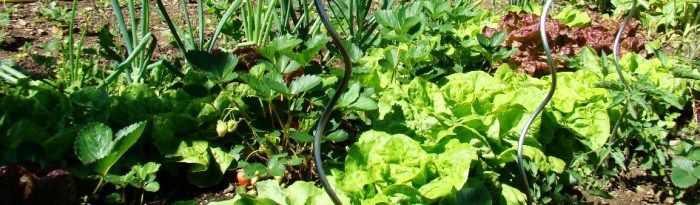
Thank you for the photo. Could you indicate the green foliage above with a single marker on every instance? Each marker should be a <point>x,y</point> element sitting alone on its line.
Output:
<point>140,176</point>
<point>257,21</point>
<point>218,67</point>
<point>195,48</point>
<point>55,12</point>
<point>485,112</point>
<point>431,115</point>
<point>135,39</point>
<point>398,166</point>
<point>270,192</point>
<point>356,20</point>
<point>433,39</point>
<point>572,17</point>
<point>684,173</point>
<point>96,144</point>
<point>10,73</point>
<point>493,52</point>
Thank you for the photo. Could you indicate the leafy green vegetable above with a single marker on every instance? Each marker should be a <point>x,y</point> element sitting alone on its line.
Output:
<point>573,17</point>
<point>388,162</point>
<point>140,176</point>
<point>270,192</point>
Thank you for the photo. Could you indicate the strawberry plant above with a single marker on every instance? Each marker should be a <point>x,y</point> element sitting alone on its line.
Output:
<point>95,144</point>
<point>252,102</point>
<point>685,172</point>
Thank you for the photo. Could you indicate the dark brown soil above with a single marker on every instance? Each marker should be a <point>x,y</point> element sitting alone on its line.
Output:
<point>634,187</point>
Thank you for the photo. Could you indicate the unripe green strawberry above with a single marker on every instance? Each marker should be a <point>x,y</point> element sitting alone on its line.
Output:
<point>232,125</point>
<point>221,128</point>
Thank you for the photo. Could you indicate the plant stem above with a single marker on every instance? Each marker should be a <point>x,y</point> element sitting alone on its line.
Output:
<point>200,24</point>
<point>71,55</point>
<point>99,185</point>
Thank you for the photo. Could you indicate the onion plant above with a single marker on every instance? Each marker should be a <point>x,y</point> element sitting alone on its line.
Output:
<point>73,72</point>
<point>9,73</point>
<point>139,43</point>
<point>257,21</point>
<point>185,38</point>
<point>74,76</point>
<point>295,17</point>
<point>355,16</point>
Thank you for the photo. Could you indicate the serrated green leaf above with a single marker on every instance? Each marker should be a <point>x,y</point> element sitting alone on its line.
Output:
<point>125,138</point>
<point>218,67</point>
<point>483,40</point>
<point>194,152</point>
<point>364,103</point>
<point>276,166</point>
<point>271,189</point>
<point>222,158</point>
<point>94,142</point>
<point>387,18</point>
<point>146,169</point>
<point>683,178</point>
<point>619,158</point>
<point>694,154</point>
<point>301,137</point>
<point>285,42</point>
<point>498,38</point>
<point>350,96</point>
<point>257,85</point>
<point>251,169</point>
<point>337,136</point>
<point>152,187</point>
<point>683,163</point>
<point>287,65</point>
<point>304,83</point>
<point>275,85</point>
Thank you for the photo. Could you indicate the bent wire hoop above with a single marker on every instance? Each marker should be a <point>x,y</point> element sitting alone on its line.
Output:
<point>616,57</point>
<point>321,125</point>
<point>540,107</point>
<point>545,101</point>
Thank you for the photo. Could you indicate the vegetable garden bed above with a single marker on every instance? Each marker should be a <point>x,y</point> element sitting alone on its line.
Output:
<point>218,102</point>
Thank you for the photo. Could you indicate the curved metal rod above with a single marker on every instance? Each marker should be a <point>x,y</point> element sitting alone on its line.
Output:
<point>321,127</point>
<point>616,45</point>
<point>618,68</point>
<point>540,107</point>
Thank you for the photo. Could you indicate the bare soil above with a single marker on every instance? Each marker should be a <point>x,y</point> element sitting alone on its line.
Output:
<point>635,186</point>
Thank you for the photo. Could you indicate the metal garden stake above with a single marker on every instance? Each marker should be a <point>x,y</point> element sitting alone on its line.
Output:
<point>321,128</point>
<point>547,98</point>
